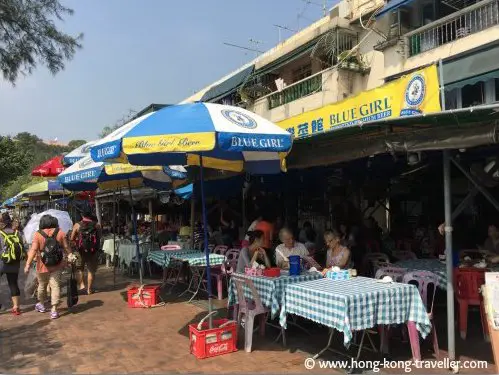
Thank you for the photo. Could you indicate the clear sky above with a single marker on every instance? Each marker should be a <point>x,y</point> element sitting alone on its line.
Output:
<point>138,52</point>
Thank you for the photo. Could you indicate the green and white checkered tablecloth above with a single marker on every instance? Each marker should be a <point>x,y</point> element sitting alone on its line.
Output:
<point>270,289</point>
<point>430,265</point>
<point>355,304</point>
<point>198,259</point>
<point>163,258</point>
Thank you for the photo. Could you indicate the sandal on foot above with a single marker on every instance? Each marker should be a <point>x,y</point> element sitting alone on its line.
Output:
<point>16,311</point>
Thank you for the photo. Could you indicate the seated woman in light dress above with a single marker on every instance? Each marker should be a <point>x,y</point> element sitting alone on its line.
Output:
<point>337,254</point>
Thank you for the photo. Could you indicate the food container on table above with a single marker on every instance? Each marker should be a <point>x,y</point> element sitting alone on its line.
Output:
<point>272,272</point>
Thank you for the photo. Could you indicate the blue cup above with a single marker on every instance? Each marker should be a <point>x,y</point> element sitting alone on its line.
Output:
<point>294,265</point>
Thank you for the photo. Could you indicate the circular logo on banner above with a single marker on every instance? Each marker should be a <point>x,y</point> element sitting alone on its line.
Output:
<point>239,118</point>
<point>415,91</point>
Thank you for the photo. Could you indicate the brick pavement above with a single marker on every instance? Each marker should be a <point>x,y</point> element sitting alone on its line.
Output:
<point>102,335</point>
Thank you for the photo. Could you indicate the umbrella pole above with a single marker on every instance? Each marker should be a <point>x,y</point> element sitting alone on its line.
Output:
<point>205,236</point>
<point>134,223</point>
<point>113,260</point>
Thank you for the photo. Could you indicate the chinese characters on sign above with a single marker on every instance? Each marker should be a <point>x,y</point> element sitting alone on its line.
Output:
<point>410,95</point>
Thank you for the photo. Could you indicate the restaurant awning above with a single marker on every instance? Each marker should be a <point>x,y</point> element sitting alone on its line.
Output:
<point>455,129</point>
<point>471,68</point>
<point>392,5</point>
<point>228,86</point>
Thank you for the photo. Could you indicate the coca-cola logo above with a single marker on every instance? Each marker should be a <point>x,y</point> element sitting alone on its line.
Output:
<point>219,348</point>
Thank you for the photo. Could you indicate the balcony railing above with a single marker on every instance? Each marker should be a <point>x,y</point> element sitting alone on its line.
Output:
<point>470,20</point>
<point>296,91</point>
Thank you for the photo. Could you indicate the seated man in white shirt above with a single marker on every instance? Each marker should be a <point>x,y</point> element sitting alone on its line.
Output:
<point>287,248</point>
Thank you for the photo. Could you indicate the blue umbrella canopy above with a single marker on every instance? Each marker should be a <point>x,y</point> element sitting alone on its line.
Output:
<point>228,138</point>
<point>89,175</point>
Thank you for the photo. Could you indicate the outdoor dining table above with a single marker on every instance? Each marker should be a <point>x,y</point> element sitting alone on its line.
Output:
<point>127,252</point>
<point>431,265</point>
<point>197,263</point>
<point>435,266</point>
<point>356,304</point>
<point>163,257</point>
<point>109,249</point>
<point>171,268</point>
<point>270,289</point>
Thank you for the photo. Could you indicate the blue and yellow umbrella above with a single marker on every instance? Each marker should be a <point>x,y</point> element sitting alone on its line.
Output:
<point>87,174</point>
<point>204,134</point>
<point>228,138</point>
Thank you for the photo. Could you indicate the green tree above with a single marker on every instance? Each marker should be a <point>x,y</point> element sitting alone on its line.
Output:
<point>12,161</point>
<point>28,36</point>
<point>76,143</point>
<point>18,157</point>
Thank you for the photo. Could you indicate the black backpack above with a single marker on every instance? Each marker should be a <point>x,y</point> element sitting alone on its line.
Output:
<point>12,251</point>
<point>88,240</point>
<point>52,253</point>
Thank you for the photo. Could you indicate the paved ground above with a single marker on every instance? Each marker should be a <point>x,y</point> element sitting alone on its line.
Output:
<point>102,335</point>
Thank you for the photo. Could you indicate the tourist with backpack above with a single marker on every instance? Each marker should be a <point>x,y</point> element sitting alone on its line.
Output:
<point>86,236</point>
<point>11,254</point>
<point>48,248</point>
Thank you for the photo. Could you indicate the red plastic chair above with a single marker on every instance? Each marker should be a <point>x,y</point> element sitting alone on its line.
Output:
<point>423,279</point>
<point>404,255</point>
<point>467,284</point>
<point>250,308</point>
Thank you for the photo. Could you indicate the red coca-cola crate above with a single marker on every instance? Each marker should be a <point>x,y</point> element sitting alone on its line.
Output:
<point>272,272</point>
<point>143,297</point>
<point>207,342</point>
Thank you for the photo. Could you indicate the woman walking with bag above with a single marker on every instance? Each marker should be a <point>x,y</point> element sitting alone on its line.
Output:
<point>48,248</point>
<point>11,253</point>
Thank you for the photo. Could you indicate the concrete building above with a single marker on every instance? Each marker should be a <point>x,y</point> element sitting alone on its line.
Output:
<point>360,45</point>
<point>363,45</point>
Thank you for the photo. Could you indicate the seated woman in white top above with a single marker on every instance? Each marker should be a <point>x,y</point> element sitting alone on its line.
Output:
<point>288,247</point>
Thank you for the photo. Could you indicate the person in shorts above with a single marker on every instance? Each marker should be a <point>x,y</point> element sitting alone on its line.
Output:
<point>86,236</point>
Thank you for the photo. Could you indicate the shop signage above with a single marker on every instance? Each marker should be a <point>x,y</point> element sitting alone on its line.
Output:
<point>414,94</point>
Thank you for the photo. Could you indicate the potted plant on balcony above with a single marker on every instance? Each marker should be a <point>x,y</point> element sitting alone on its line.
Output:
<point>351,61</point>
